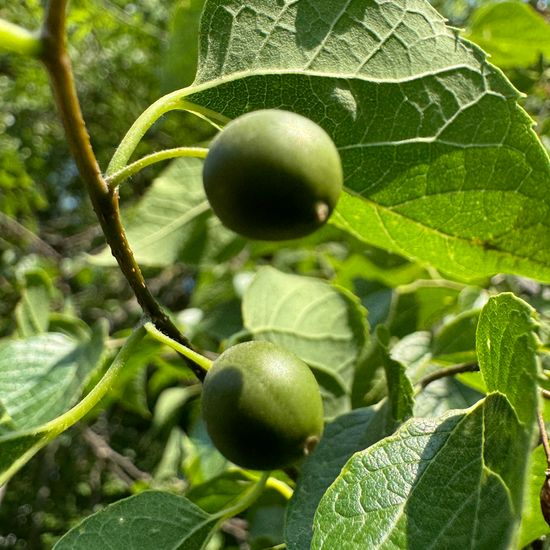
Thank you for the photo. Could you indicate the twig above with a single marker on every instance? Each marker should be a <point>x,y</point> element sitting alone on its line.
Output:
<point>103,451</point>
<point>449,371</point>
<point>104,200</point>
<point>544,438</point>
<point>238,529</point>
<point>13,227</point>
<point>545,393</point>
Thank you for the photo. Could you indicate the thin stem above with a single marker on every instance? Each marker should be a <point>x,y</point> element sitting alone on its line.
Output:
<point>116,179</point>
<point>49,431</point>
<point>104,200</point>
<point>66,420</point>
<point>139,127</point>
<point>280,486</point>
<point>272,483</point>
<point>449,371</point>
<point>544,438</point>
<point>197,358</point>
<point>16,39</point>
<point>248,499</point>
<point>169,102</point>
<point>10,226</point>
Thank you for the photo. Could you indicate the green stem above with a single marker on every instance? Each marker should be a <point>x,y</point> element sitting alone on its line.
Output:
<point>117,178</point>
<point>72,416</point>
<point>272,483</point>
<point>16,39</point>
<point>248,499</point>
<point>169,102</point>
<point>49,431</point>
<point>203,362</point>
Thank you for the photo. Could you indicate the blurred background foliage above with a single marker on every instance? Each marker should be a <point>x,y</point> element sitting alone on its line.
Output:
<point>125,55</point>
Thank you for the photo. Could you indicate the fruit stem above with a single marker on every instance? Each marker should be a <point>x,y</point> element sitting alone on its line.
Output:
<point>272,483</point>
<point>169,102</point>
<point>116,179</point>
<point>248,499</point>
<point>16,39</point>
<point>203,362</point>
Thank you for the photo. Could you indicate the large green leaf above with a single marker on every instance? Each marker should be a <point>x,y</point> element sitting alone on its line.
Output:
<point>441,164</point>
<point>439,483</point>
<point>512,32</point>
<point>148,521</point>
<point>173,222</point>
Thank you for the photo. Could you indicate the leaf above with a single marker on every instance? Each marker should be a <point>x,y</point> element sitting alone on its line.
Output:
<point>169,404</point>
<point>441,164</point>
<point>451,482</point>
<point>414,351</point>
<point>344,436</point>
<point>369,383</point>
<point>422,304</point>
<point>400,390</point>
<point>323,325</point>
<point>179,62</point>
<point>443,395</point>
<point>455,341</point>
<point>42,376</point>
<point>358,266</point>
<point>513,33</point>
<point>533,525</point>
<point>33,309</point>
<point>202,461</point>
<point>506,348</point>
<point>220,492</point>
<point>148,521</point>
<point>173,222</point>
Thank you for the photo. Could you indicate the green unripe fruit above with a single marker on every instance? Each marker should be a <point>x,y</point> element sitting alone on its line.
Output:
<point>273,175</point>
<point>262,406</point>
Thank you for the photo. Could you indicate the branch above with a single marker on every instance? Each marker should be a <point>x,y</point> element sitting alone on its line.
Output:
<point>102,450</point>
<point>12,226</point>
<point>449,371</point>
<point>544,438</point>
<point>104,200</point>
